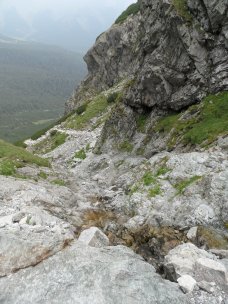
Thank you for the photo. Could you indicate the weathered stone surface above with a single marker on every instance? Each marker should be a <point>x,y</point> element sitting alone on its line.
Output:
<point>222,254</point>
<point>210,271</point>
<point>187,259</point>
<point>94,237</point>
<point>182,259</point>
<point>82,274</point>
<point>187,283</point>
<point>143,46</point>
<point>33,223</point>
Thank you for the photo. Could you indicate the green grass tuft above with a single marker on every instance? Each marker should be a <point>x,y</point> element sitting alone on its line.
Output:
<point>148,178</point>
<point>80,154</point>
<point>43,175</point>
<point>59,182</point>
<point>202,125</point>
<point>12,157</point>
<point>93,109</point>
<point>181,7</point>
<point>125,146</point>
<point>180,187</point>
<point>156,190</point>
<point>133,9</point>
<point>81,109</point>
<point>112,97</point>
<point>141,121</point>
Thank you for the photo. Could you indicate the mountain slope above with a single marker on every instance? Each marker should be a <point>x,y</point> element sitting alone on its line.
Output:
<point>35,80</point>
<point>142,155</point>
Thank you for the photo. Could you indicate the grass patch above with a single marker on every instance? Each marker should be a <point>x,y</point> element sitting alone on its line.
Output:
<point>201,124</point>
<point>58,182</point>
<point>80,154</point>
<point>112,97</point>
<point>43,175</point>
<point>148,178</point>
<point>133,9</point>
<point>125,146</point>
<point>156,190</point>
<point>93,109</point>
<point>182,9</point>
<point>12,157</point>
<point>180,187</point>
<point>81,109</point>
<point>162,170</point>
<point>49,144</point>
<point>141,121</point>
<point>58,139</point>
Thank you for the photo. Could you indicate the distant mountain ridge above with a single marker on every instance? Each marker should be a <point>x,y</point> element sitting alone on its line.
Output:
<point>35,80</point>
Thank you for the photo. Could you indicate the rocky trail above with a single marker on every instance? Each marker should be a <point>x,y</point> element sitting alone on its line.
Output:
<point>43,222</point>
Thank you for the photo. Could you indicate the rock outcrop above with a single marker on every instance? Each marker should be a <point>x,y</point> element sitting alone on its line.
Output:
<point>175,52</point>
<point>82,274</point>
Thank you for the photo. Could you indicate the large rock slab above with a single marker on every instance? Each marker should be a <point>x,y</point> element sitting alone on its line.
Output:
<point>33,222</point>
<point>82,274</point>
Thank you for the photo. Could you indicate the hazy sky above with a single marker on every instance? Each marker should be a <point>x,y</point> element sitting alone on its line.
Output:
<point>43,20</point>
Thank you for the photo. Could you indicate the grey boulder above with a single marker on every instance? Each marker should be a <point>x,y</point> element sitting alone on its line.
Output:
<point>81,274</point>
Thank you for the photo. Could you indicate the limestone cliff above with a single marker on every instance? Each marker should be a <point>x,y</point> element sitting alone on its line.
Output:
<point>171,54</point>
<point>175,51</point>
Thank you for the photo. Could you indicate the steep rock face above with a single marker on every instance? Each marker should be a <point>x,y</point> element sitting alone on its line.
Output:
<point>175,52</point>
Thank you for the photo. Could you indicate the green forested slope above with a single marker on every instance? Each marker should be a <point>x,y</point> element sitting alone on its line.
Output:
<point>35,80</point>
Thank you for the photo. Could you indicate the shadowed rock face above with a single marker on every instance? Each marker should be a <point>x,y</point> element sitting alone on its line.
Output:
<point>175,55</point>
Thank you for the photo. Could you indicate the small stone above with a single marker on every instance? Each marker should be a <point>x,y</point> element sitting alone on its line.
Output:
<point>221,253</point>
<point>2,225</point>
<point>192,233</point>
<point>187,283</point>
<point>23,221</point>
<point>206,286</point>
<point>18,217</point>
<point>94,237</point>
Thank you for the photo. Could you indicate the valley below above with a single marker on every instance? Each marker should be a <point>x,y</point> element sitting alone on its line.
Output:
<point>35,80</point>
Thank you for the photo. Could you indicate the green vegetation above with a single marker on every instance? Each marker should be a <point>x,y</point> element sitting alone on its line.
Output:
<point>201,124</point>
<point>181,7</point>
<point>81,109</point>
<point>49,144</point>
<point>133,9</point>
<point>58,139</point>
<point>140,151</point>
<point>12,157</point>
<point>141,122</point>
<point>134,188</point>
<point>125,146</point>
<point>35,80</point>
<point>162,170</point>
<point>43,175</point>
<point>112,97</point>
<point>148,178</point>
<point>180,187</point>
<point>58,182</point>
<point>94,108</point>
<point>80,154</point>
<point>156,190</point>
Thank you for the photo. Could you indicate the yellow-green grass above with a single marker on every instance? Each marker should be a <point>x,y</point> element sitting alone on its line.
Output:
<point>12,157</point>
<point>94,108</point>
<point>201,124</point>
